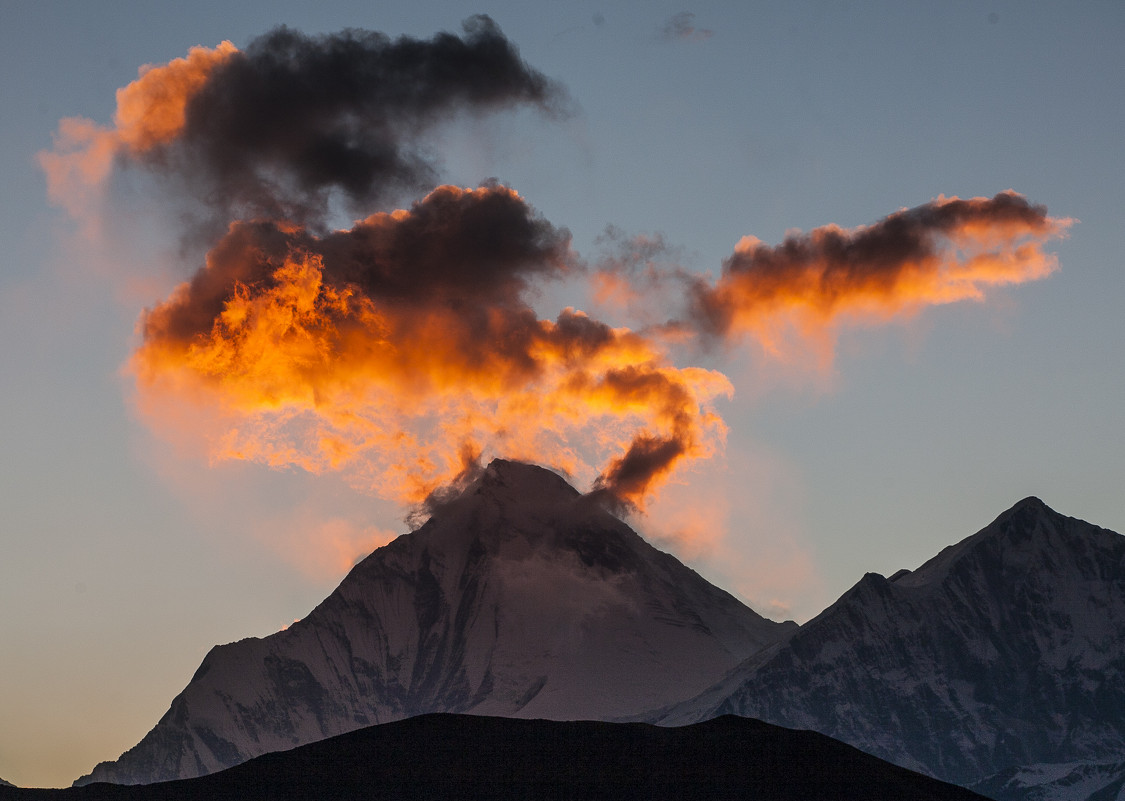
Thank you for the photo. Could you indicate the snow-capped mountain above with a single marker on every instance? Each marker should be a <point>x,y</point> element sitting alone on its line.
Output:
<point>1005,650</point>
<point>520,597</point>
<point>1069,781</point>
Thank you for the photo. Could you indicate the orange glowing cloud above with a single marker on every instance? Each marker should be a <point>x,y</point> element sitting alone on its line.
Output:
<point>941,252</point>
<point>400,350</point>
<point>150,111</point>
<point>389,349</point>
<point>323,548</point>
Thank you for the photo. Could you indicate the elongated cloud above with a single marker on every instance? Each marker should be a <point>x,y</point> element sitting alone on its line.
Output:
<point>389,349</point>
<point>940,252</point>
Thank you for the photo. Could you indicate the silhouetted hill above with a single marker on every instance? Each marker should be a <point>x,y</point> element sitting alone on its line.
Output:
<point>467,757</point>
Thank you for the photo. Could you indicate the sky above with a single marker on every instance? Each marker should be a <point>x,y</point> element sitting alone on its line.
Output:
<point>149,510</point>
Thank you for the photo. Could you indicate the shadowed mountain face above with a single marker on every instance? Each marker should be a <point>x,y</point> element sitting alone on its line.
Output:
<point>518,598</point>
<point>1004,650</point>
<point>469,757</point>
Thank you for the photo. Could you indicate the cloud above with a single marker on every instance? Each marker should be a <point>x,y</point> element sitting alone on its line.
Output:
<point>323,547</point>
<point>280,128</point>
<point>941,252</point>
<point>640,276</point>
<point>389,348</point>
<point>404,349</point>
<point>151,113</point>
<point>681,28</point>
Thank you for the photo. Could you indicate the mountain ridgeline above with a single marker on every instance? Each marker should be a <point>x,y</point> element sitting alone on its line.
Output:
<point>998,665</point>
<point>1005,650</point>
<point>519,598</point>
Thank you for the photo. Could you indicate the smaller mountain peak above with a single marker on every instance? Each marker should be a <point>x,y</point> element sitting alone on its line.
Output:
<point>1022,514</point>
<point>1028,527</point>
<point>872,582</point>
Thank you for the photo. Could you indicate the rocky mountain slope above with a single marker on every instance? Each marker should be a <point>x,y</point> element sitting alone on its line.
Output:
<point>468,757</point>
<point>518,598</point>
<point>1069,781</point>
<point>1005,650</point>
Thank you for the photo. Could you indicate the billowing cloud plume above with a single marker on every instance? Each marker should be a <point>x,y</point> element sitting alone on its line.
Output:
<point>392,349</point>
<point>387,349</point>
<point>403,349</point>
<point>943,251</point>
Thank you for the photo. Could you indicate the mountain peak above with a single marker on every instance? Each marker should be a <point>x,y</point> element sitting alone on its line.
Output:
<point>503,501</point>
<point>1003,650</point>
<point>1030,502</point>
<point>1026,533</point>
<point>518,597</point>
<point>1026,510</point>
<point>508,480</point>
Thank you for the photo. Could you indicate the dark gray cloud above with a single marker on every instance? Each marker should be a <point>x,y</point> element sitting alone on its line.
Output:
<point>470,252</point>
<point>281,126</point>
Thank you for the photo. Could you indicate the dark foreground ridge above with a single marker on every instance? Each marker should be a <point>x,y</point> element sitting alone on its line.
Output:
<point>469,757</point>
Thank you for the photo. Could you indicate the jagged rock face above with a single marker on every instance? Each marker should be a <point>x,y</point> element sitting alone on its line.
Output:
<point>1005,649</point>
<point>518,598</point>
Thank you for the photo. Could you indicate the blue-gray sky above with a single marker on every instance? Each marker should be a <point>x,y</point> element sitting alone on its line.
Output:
<point>126,556</point>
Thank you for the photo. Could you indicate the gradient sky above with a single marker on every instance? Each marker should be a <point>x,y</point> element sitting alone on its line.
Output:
<point>125,556</point>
